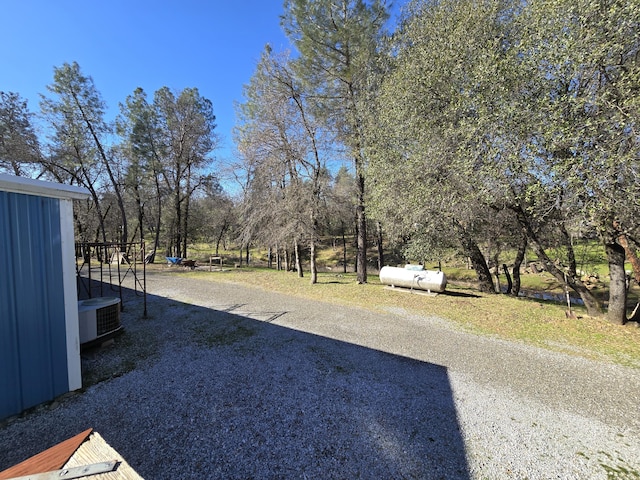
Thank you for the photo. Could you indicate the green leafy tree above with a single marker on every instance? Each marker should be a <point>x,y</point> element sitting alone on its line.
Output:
<point>187,139</point>
<point>503,140</point>
<point>20,150</point>
<point>338,44</point>
<point>139,128</point>
<point>584,56</point>
<point>509,107</point>
<point>442,59</point>
<point>76,113</point>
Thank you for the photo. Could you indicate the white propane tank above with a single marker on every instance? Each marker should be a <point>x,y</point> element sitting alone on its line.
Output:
<point>428,280</point>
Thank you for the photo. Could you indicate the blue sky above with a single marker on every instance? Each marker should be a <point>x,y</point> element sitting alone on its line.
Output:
<point>124,44</point>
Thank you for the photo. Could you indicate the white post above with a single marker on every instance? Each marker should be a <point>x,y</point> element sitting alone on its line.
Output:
<point>70,294</point>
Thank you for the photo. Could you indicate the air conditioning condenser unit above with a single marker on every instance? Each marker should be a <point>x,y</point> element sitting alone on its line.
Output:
<point>99,318</point>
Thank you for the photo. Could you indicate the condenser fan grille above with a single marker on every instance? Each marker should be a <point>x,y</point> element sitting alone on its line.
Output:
<point>108,319</point>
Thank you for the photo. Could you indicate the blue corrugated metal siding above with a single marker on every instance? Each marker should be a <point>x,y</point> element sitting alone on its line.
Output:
<point>33,358</point>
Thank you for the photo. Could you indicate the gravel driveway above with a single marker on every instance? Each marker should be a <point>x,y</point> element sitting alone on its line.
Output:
<point>228,381</point>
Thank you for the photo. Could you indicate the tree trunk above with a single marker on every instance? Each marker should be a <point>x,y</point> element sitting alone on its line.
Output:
<point>344,249</point>
<point>314,266</point>
<point>140,209</point>
<point>133,237</point>
<point>485,281</point>
<point>185,224</point>
<point>593,305</point>
<point>114,183</point>
<point>379,245</point>
<point>222,232</point>
<point>177,241</point>
<point>630,253</point>
<point>96,201</point>
<point>312,250</point>
<point>571,254</point>
<point>170,239</point>
<point>156,241</point>
<point>362,227</point>
<point>617,310</point>
<point>140,225</point>
<point>522,249</point>
<point>296,251</point>
<point>479,263</point>
<point>509,281</point>
<point>496,263</point>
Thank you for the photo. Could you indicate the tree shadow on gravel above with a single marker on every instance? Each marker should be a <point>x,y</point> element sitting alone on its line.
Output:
<point>203,392</point>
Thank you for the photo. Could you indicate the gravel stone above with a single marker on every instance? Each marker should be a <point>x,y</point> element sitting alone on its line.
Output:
<point>234,382</point>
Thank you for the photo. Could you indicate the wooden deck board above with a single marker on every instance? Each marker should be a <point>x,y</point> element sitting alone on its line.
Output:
<point>85,448</point>
<point>53,458</point>
<point>96,450</point>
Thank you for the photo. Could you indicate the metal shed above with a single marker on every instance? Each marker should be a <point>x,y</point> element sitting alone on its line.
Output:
<point>39,333</point>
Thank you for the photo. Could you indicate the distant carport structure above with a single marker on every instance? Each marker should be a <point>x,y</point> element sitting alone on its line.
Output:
<point>39,330</point>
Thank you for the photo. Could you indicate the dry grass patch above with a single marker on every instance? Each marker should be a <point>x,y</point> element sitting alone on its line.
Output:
<point>534,322</point>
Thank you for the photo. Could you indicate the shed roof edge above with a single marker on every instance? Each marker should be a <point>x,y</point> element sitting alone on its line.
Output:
<point>30,186</point>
